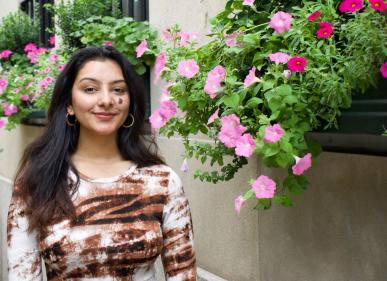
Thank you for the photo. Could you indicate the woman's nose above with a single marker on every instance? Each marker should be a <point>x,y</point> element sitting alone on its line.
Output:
<point>105,98</point>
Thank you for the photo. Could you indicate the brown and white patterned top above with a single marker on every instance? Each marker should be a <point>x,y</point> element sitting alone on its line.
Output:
<point>123,223</point>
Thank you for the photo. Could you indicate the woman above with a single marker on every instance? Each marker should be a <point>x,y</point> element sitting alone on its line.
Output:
<point>90,198</point>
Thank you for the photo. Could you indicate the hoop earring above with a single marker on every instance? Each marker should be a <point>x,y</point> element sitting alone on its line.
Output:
<point>68,122</point>
<point>131,123</point>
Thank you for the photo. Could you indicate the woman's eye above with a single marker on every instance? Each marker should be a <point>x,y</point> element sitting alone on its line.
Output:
<point>119,90</point>
<point>89,90</point>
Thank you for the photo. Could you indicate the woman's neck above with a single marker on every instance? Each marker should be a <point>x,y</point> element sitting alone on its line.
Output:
<point>97,148</point>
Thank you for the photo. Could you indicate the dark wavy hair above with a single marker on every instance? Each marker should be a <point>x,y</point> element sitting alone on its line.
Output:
<point>42,177</point>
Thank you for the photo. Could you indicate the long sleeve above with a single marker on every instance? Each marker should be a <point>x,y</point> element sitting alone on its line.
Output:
<point>178,254</point>
<point>24,261</point>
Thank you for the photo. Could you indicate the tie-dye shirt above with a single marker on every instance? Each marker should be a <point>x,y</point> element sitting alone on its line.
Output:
<point>123,224</point>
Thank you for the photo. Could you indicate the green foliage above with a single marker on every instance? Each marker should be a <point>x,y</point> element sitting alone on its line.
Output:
<point>16,30</point>
<point>125,34</point>
<point>68,13</point>
<point>338,66</point>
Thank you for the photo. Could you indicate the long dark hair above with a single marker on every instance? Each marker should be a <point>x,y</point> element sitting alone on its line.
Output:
<point>42,177</point>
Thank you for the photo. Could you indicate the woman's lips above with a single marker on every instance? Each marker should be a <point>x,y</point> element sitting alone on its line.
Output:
<point>104,116</point>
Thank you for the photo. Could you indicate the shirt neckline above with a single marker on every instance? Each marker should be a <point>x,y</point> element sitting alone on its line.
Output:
<point>86,178</point>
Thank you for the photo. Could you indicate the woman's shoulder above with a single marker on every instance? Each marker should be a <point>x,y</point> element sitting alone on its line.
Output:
<point>161,171</point>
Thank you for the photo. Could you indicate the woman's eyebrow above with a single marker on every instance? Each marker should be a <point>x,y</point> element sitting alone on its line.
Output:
<point>97,81</point>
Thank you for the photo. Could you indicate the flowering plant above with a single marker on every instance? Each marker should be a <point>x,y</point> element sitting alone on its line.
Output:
<point>265,80</point>
<point>24,89</point>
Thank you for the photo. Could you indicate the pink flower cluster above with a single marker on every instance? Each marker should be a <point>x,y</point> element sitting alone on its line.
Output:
<point>33,51</point>
<point>9,109</point>
<point>350,6</point>
<point>51,40</point>
<point>248,2</point>
<point>214,78</point>
<point>279,57</point>
<point>5,54</point>
<point>231,136</point>
<point>230,39</point>
<point>183,38</point>
<point>3,85</point>
<point>167,109</point>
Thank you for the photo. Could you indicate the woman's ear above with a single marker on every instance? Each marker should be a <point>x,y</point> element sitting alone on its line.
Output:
<point>70,110</point>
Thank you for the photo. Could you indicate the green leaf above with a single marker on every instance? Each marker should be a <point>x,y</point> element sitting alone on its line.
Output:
<point>263,204</point>
<point>253,102</point>
<point>275,104</point>
<point>266,85</point>
<point>290,99</point>
<point>314,147</point>
<point>284,90</point>
<point>296,184</point>
<point>283,200</point>
<point>232,101</point>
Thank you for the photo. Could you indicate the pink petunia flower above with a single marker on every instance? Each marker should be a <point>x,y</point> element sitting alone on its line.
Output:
<point>168,108</point>
<point>218,72</point>
<point>325,30</point>
<point>141,48</point>
<point>214,116</point>
<point>350,6</point>
<point>161,61</point>
<point>188,68</point>
<point>212,87</point>
<point>279,57</point>
<point>61,67</point>
<point>273,133</point>
<point>5,54</point>
<point>186,37</point>
<point>51,40</point>
<point>9,109</point>
<point>48,79</point>
<point>54,57</point>
<point>108,43</point>
<point>230,130</point>
<point>47,70</point>
<point>281,22</point>
<point>30,47</point>
<point>302,164</point>
<point>2,123</point>
<point>184,166</point>
<point>33,57</point>
<point>378,5</point>
<point>248,2</point>
<point>297,64</point>
<point>251,78</point>
<point>245,146</point>
<point>3,84</point>
<point>16,90</point>
<point>264,187</point>
<point>313,16</point>
<point>157,119</point>
<point>383,70</point>
<point>24,98</point>
<point>43,84</point>
<point>238,203</point>
<point>231,124</point>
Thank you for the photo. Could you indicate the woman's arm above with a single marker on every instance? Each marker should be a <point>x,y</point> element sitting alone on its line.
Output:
<point>24,261</point>
<point>178,254</point>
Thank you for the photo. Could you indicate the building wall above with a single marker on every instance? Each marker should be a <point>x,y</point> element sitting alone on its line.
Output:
<point>8,7</point>
<point>335,232</point>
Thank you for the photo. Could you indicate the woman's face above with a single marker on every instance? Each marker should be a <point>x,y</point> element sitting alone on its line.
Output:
<point>100,98</point>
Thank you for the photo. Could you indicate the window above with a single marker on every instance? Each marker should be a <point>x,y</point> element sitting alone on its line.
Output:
<point>35,9</point>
